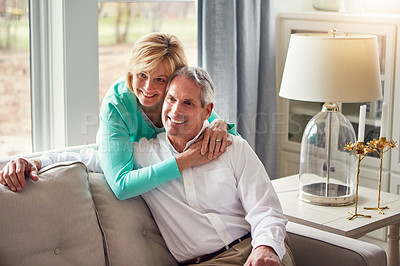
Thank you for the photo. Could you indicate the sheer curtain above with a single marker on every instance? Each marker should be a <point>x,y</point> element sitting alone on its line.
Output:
<point>237,40</point>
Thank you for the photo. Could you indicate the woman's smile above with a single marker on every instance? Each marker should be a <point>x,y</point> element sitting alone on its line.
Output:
<point>148,95</point>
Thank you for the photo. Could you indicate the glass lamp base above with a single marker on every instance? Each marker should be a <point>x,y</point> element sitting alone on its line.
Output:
<point>335,195</point>
<point>327,174</point>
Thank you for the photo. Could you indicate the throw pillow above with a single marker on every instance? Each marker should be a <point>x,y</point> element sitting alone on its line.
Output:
<point>51,221</point>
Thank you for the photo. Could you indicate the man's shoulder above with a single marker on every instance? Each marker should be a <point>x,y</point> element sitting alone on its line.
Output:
<point>150,151</point>
<point>153,142</point>
<point>240,147</point>
<point>237,140</point>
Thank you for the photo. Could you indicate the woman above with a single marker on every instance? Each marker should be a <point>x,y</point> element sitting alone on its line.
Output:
<point>131,109</point>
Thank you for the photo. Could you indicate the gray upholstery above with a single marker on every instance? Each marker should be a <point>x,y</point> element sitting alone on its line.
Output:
<point>311,246</point>
<point>53,222</point>
<point>129,229</point>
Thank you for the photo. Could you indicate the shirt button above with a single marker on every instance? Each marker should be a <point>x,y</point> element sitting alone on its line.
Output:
<point>57,251</point>
<point>225,236</point>
<point>144,232</point>
<point>195,206</point>
<point>210,215</point>
<point>188,184</point>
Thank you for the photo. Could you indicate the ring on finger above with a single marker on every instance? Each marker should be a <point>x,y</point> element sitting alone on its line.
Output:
<point>218,140</point>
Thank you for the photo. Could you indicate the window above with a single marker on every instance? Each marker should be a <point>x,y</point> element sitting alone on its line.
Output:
<point>64,69</point>
<point>15,97</point>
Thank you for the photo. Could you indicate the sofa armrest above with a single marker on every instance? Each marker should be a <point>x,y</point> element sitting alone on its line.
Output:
<point>311,246</point>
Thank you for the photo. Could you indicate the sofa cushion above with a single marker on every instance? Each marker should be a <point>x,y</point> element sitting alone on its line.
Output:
<point>52,221</point>
<point>130,233</point>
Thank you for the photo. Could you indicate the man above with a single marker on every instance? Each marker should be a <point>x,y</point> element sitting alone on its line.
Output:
<point>211,205</point>
<point>207,214</point>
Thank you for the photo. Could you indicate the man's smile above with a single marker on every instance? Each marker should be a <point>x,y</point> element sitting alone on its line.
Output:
<point>177,120</point>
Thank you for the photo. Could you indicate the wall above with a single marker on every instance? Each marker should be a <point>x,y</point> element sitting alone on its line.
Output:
<point>371,6</point>
<point>292,5</point>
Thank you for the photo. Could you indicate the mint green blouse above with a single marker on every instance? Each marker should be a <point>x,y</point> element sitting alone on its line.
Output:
<point>121,123</point>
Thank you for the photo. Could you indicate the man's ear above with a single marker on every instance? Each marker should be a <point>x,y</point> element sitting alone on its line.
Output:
<point>209,107</point>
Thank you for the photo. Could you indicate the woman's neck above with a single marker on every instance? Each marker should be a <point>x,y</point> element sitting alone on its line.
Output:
<point>154,114</point>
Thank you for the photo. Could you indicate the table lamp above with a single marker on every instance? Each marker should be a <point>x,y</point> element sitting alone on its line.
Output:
<point>334,69</point>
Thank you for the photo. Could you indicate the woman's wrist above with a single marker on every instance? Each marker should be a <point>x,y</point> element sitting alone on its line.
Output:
<point>181,162</point>
<point>220,123</point>
<point>191,157</point>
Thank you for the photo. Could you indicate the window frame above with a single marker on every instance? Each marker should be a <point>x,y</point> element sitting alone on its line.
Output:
<point>64,64</point>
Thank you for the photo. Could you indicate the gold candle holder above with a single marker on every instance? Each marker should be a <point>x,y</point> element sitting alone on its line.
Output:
<point>380,146</point>
<point>360,150</point>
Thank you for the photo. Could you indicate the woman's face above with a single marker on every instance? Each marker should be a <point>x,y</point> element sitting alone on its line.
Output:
<point>149,87</point>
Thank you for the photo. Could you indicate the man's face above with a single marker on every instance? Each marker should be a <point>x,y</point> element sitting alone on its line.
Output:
<point>182,113</point>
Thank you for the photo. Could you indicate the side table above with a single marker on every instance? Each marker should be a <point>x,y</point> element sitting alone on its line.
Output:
<point>334,219</point>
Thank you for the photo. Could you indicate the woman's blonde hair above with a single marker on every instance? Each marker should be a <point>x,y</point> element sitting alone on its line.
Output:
<point>152,50</point>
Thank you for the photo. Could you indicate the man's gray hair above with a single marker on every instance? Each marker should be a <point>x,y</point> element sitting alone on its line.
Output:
<point>202,80</point>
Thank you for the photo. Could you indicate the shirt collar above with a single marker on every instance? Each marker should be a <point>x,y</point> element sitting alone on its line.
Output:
<point>190,142</point>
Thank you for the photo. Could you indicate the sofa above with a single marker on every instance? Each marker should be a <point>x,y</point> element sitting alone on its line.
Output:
<point>71,217</point>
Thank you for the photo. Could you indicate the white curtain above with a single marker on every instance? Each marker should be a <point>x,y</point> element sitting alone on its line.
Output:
<point>237,40</point>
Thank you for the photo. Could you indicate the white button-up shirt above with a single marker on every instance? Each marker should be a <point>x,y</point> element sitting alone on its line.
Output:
<point>211,205</point>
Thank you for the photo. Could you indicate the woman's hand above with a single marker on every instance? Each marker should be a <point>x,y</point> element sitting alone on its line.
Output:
<point>191,157</point>
<point>13,174</point>
<point>215,139</point>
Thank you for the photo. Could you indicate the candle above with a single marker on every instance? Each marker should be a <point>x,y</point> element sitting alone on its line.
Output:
<point>384,120</point>
<point>361,123</point>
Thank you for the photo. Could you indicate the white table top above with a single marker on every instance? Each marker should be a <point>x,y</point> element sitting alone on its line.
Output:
<point>334,219</point>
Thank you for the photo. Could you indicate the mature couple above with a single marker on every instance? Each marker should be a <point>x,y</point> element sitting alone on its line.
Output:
<point>205,203</point>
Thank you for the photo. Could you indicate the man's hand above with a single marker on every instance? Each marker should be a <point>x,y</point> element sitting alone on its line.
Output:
<point>261,256</point>
<point>13,174</point>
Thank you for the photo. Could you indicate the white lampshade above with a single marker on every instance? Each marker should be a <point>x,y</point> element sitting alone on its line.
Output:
<point>324,68</point>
